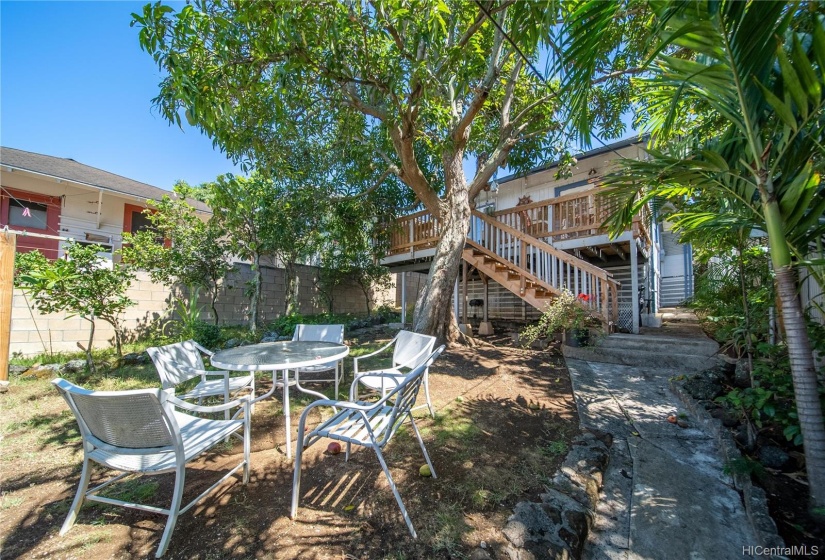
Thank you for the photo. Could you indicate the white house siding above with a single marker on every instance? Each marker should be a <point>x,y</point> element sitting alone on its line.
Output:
<point>675,287</point>
<point>542,185</point>
<point>79,207</point>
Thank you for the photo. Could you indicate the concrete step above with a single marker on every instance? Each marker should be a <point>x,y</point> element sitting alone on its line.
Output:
<point>661,343</point>
<point>678,362</point>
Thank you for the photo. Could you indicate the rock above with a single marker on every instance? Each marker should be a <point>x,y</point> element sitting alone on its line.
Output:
<point>269,338</point>
<point>45,371</point>
<point>480,554</point>
<point>741,375</point>
<point>74,366</point>
<point>232,343</point>
<point>773,457</point>
<point>280,338</point>
<point>135,359</point>
<point>15,370</point>
<point>703,388</point>
<point>587,459</point>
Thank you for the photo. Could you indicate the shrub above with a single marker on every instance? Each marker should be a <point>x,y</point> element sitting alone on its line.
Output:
<point>566,312</point>
<point>207,334</point>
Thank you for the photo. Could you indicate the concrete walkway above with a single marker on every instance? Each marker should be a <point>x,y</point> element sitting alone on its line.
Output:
<point>665,494</point>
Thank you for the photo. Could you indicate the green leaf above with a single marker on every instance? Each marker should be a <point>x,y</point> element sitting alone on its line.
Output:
<point>791,82</point>
<point>784,112</point>
<point>806,72</point>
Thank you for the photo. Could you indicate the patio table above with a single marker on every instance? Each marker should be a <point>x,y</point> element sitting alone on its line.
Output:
<point>280,356</point>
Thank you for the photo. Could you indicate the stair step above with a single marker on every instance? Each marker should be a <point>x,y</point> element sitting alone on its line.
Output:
<point>678,362</point>
<point>660,343</point>
<point>513,275</point>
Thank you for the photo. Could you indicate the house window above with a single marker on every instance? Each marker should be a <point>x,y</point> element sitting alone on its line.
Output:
<point>134,220</point>
<point>28,214</point>
<point>33,213</point>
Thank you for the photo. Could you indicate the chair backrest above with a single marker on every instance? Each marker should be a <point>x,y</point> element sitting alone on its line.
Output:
<point>320,333</point>
<point>135,419</point>
<point>403,396</point>
<point>412,349</point>
<point>172,359</point>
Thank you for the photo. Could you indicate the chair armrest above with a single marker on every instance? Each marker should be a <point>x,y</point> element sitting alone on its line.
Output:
<point>178,403</point>
<point>353,388</point>
<point>355,360</point>
<point>221,372</point>
<point>203,349</point>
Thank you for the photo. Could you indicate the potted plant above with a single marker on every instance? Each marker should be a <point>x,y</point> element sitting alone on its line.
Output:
<point>567,313</point>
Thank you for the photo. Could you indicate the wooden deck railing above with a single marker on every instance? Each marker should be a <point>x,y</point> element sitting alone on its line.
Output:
<point>557,219</point>
<point>564,217</point>
<point>553,269</point>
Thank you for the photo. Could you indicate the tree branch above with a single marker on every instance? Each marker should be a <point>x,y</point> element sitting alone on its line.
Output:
<point>459,132</point>
<point>411,172</point>
<point>485,172</point>
<point>393,170</point>
<point>509,91</point>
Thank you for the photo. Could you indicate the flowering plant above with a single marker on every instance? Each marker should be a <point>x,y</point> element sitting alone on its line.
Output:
<point>566,312</point>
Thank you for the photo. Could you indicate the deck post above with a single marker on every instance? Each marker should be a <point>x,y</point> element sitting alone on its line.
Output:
<point>403,297</point>
<point>634,284</point>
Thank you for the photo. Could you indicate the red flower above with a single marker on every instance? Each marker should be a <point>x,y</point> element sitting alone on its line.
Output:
<point>584,297</point>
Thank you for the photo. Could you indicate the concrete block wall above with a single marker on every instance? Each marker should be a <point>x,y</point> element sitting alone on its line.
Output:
<point>35,333</point>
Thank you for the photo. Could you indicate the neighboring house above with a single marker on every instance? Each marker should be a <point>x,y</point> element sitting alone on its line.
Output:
<point>534,235</point>
<point>63,198</point>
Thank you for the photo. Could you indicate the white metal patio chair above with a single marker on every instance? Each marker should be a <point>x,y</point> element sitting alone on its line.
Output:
<point>367,424</point>
<point>180,362</point>
<point>410,349</point>
<point>139,431</point>
<point>321,333</point>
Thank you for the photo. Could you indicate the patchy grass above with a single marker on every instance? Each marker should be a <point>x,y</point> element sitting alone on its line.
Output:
<point>504,419</point>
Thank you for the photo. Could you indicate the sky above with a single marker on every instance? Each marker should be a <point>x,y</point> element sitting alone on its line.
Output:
<point>74,83</point>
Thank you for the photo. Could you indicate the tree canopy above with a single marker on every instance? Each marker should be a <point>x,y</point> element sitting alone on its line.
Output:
<point>404,90</point>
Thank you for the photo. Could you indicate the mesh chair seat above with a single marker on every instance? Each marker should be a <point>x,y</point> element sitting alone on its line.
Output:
<point>198,435</point>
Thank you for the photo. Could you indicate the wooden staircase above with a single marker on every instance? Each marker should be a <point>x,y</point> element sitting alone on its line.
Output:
<point>536,271</point>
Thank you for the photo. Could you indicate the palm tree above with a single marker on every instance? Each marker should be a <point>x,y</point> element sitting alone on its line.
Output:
<point>744,80</point>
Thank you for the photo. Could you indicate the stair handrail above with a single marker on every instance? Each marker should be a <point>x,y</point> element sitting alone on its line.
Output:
<point>610,287</point>
<point>595,270</point>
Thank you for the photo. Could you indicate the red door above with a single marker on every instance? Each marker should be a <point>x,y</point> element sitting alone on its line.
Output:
<point>33,213</point>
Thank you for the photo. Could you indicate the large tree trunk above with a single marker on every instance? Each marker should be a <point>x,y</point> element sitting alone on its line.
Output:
<point>434,307</point>
<point>808,406</point>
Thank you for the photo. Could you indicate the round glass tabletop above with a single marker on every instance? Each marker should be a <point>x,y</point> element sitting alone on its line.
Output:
<point>286,354</point>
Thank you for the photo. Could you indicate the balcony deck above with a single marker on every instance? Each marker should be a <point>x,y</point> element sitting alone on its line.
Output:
<point>571,223</point>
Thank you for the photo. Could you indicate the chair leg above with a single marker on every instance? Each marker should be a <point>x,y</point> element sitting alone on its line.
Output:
<point>421,443</point>
<point>79,498</point>
<point>336,381</point>
<point>404,513</point>
<point>177,495</point>
<point>349,448</point>
<point>296,477</point>
<point>247,437</point>
<point>427,393</point>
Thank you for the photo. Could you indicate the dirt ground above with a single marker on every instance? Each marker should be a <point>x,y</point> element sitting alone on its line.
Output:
<point>504,420</point>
